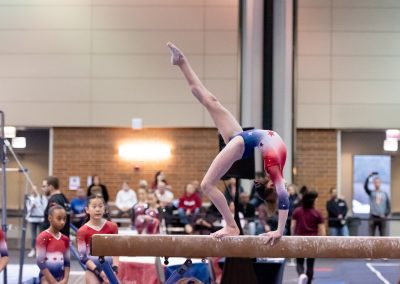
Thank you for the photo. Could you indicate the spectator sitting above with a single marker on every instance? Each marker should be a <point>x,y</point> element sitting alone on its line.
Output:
<point>189,205</point>
<point>249,213</point>
<point>78,205</point>
<point>140,207</point>
<point>148,222</point>
<point>144,185</point>
<point>164,196</point>
<point>159,177</point>
<point>196,185</point>
<point>203,223</point>
<point>125,200</point>
<point>98,188</point>
<point>36,203</point>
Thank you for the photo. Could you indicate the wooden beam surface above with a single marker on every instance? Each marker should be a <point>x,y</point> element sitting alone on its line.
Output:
<point>245,246</point>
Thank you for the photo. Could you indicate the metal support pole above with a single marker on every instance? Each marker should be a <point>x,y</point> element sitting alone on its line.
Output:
<point>23,234</point>
<point>108,271</point>
<point>28,181</point>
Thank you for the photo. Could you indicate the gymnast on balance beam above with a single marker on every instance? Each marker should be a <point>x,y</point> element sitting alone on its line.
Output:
<point>238,145</point>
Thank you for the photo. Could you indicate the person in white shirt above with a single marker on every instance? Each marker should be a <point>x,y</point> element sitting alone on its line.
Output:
<point>126,199</point>
<point>35,204</point>
<point>164,195</point>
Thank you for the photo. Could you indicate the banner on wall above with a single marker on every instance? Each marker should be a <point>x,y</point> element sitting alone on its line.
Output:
<point>74,182</point>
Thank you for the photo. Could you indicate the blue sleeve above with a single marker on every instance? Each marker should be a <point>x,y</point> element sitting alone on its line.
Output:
<point>277,179</point>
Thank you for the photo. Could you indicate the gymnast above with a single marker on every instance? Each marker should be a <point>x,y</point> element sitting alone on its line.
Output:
<point>238,145</point>
<point>96,224</point>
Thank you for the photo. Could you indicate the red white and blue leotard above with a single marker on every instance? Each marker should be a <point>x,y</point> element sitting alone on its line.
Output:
<point>148,222</point>
<point>83,237</point>
<point>3,245</point>
<point>52,253</point>
<point>273,150</point>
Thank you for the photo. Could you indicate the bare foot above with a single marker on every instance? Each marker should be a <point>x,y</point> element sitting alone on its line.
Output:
<point>226,231</point>
<point>176,55</point>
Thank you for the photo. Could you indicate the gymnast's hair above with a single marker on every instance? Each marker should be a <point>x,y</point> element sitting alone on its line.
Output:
<point>53,207</point>
<point>309,199</point>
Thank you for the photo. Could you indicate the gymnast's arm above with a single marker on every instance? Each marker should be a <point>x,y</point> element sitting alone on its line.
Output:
<point>283,196</point>
<point>83,253</point>
<point>41,245</point>
<point>67,262</point>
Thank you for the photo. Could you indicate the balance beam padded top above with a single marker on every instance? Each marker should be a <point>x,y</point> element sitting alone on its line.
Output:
<point>245,246</point>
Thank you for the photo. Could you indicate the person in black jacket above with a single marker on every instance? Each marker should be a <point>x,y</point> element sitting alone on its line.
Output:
<point>51,186</point>
<point>337,210</point>
<point>98,188</point>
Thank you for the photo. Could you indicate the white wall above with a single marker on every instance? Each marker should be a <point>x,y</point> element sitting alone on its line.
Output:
<point>348,64</point>
<point>103,62</point>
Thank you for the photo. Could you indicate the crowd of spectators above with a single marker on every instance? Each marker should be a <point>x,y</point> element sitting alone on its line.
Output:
<point>153,209</point>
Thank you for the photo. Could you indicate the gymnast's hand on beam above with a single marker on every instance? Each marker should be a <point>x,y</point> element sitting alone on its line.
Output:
<point>271,237</point>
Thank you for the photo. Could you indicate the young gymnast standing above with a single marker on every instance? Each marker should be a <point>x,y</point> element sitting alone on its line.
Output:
<point>53,252</point>
<point>238,145</point>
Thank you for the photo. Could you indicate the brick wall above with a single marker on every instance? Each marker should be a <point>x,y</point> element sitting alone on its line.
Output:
<point>316,162</point>
<point>87,151</point>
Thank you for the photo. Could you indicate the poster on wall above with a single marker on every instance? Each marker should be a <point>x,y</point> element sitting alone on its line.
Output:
<point>363,166</point>
<point>74,182</point>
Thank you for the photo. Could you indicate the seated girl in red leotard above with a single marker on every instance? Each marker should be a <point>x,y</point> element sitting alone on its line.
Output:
<point>96,225</point>
<point>148,221</point>
<point>239,143</point>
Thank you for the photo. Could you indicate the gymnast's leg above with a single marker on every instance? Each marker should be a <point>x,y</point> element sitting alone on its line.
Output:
<point>225,122</point>
<point>221,164</point>
<point>227,127</point>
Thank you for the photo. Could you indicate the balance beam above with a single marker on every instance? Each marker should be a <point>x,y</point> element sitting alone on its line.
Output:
<point>245,246</point>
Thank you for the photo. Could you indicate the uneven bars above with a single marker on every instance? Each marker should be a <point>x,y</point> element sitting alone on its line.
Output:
<point>13,170</point>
